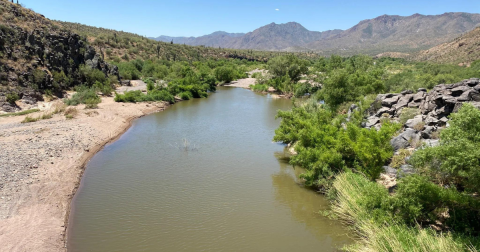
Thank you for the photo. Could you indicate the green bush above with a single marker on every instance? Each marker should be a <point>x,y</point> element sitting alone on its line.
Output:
<point>325,147</point>
<point>186,95</point>
<point>259,88</point>
<point>12,98</point>
<point>455,161</point>
<point>82,95</point>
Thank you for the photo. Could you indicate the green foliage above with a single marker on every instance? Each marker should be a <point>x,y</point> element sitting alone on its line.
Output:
<point>288,65</point>
<point>12,98</point>
<point>358,77</point>
<point>25,112</point>
<point>368,206</point>
<point>83,95</point>
<point>259,88</point>
<point>138,96</point>
<point>325,147</point>
<point>455,161</point>
<point>90,76</point>
<point>225,74</point>
<point>418,200</point>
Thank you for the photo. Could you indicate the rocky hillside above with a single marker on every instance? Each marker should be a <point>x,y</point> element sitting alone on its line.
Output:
<point>462,50</point>
<point>38,57</point>
<point>398,34</point>
<point>423,113</point>
<point>387,33</point>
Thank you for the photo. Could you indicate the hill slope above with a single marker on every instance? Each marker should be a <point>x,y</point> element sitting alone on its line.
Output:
<point>462,50</point>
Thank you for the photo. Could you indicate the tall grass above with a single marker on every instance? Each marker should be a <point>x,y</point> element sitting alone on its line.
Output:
<point>353,204</point>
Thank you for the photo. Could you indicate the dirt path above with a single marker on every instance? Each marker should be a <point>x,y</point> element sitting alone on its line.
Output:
<point>42,164</point>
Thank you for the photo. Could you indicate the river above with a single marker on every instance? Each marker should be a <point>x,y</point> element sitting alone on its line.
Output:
<point>229,188</point>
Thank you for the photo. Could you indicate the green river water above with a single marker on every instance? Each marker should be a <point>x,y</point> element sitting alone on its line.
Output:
<point>232,190</point>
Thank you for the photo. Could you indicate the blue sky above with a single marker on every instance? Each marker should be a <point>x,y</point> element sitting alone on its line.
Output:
<point>195,18</point>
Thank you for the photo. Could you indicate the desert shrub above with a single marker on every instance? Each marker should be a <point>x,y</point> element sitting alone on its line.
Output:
<point>104,87</point>
<point>455,161</point>
<point>12,98</point>
<point>325,147</point>
<point>83,94</point>
<point>138,96</point>
<point>259,88</point>
<point>70,113</point>
<point>29,119</point>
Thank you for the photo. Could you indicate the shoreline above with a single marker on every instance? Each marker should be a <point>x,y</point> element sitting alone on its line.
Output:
<point>39,200</point>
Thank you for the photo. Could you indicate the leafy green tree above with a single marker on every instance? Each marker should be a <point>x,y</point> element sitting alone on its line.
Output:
<point>288,65</point>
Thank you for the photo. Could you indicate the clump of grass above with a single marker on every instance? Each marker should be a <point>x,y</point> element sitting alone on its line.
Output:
<point>29,119</point>
<point>407,114</point>
<point>419,126</point>
<point>399,160</point>
<point>46,116</point>
<point>70,113</point>
<point>358,202</point>
<point>25,112</point>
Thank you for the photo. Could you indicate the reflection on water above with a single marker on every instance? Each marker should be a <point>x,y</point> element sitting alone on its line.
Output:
<point>233,192</point>
<point>305,204</point>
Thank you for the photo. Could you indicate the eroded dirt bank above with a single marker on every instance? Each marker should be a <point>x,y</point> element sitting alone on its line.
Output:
<point>41,164</point>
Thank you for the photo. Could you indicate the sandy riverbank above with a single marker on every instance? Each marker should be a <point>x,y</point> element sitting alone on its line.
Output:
<point>41,164</point>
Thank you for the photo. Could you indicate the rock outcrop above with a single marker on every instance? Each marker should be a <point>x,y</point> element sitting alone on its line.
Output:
<point>429,110</point>
<point>36,55</point>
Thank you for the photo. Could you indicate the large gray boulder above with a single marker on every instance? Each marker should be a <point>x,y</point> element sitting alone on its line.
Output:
<point>405,139</point>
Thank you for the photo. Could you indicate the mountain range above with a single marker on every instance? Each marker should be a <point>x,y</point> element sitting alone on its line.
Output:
<point>372,36</point>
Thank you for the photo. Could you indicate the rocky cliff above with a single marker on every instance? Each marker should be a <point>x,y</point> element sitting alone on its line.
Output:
<point>37,57</point>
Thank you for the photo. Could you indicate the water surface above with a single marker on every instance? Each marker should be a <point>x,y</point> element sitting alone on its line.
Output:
<point>231,191</point>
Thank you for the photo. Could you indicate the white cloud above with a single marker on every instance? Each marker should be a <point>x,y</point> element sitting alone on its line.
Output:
<point>277,9</point>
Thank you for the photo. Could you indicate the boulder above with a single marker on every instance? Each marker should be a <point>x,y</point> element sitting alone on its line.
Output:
<point>372,121</point>
<point>422,90</point>
<point>384,110</point>
<point>414,121</point>
<point>403,140</point>
<point>419,96</point>
<point>406,92</point>
<point>431,121</point>
<point>390,171</point>
<point>427,132</point>
<point>403,102</point>
<point>388,102</point>
<point>460,90</point>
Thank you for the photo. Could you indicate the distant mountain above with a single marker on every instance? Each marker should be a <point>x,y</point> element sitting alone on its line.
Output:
<point>462,50</point>
<point>215,39</point>
<point>399,34</point>
<point>271,37</point>
<point>373,36</point>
